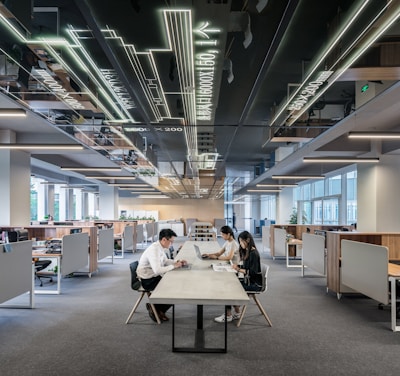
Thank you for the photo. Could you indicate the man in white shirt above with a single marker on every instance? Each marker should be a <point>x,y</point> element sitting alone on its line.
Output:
<point>153,264</point>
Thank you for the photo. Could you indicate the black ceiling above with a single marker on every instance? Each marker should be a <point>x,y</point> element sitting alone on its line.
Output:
<point>288,36</point>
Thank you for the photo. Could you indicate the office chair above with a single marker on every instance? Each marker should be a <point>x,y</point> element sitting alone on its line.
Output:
<point>253,294</point>
<point>137,286</point>
<point>39,266</point>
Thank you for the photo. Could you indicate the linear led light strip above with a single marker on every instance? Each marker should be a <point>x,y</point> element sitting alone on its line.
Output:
<point>277,185</point>
<point>111,99</point>
<point>180,38</point>
<point>369,135</point>
<point>264,190</point>
<point>60,42</point>
<point>185,67</point>
<point>132,54</point>
<point>63,63</point>
<point>91,63</point>
<point>321,59</point>
<point>340,160</point>
<point>374,36</point>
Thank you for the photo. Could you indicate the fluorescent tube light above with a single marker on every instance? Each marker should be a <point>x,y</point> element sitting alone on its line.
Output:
<point>91,168</point>
<point>111,177</point>
<point>12,112</point>
<point>276,185</point>
<point>368,135</point>
<point>41,147</point>
<point>298,177</point>
<point>264,190</point>
<point>340,160</point>
<point>125,185</point>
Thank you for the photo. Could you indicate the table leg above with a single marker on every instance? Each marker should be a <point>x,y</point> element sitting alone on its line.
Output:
<point>393,302</point>
<point>199,343</point>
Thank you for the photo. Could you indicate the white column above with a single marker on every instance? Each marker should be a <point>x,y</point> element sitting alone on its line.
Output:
<point>50,199</point>
<point>70,204</point>
<point>378,204</point>
<point>108,202</point>
<point>62,204</point>
<point>15,167</point>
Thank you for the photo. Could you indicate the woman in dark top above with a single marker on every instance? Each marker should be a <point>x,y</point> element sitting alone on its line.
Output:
<point>250,266</point>
<point>249,272</point>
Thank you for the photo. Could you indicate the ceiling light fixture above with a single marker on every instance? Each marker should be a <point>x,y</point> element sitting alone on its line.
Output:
<point>277,185</point>
<point>302,177</point>
<point>126,185</point>
<point>151,196</point>
<point>340,160</point>
<point>41,147</point>
<point>368,135</point>
<point>264,190</point>
<point>12,112</point>
<point>91,168</point>
<point>112,177</point>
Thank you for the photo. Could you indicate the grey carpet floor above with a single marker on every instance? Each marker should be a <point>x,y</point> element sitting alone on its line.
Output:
<point>83,331</point>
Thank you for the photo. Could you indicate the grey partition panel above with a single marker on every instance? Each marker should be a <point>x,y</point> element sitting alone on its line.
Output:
<point>364,268</point>
<point>106,243</point>
<point>15,270</point>
<point>150,231</point>
<point>127,238</point>
<point>139,233</point>
<point>279,242</point>
<point>75,253</point>
<point>314,252</point>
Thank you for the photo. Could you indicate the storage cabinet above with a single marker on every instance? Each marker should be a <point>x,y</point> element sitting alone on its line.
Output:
<point>202,231</point>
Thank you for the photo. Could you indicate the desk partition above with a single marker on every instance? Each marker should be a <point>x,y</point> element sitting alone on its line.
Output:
<point>279,243</point>
<point>16,272</point>
<point>74,253</point>
<point>314,256</point>
<point>106,244</point>
<point>366,269</point>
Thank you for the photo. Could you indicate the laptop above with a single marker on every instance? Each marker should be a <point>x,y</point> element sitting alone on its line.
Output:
<point>199,254</point>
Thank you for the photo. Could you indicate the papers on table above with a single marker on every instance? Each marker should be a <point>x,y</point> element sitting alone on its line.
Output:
<point>223,267</point>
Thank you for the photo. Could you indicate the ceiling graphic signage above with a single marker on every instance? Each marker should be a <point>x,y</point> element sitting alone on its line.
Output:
<point>205,65</point>
<point>119,89</point>
<point>308,91</point>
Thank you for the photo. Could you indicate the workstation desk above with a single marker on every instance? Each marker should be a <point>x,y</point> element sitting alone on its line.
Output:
<point>72,258</point>
<point>200,285</point>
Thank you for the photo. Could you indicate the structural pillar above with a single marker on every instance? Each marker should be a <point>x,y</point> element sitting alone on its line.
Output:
<point>108,202</point>
<point>15,167</point>
<point>378,204</point>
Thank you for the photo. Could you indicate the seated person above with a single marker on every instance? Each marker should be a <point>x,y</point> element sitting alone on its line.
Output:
<point>250,268</point>
<point>229,250</point>
<point>153,264</point>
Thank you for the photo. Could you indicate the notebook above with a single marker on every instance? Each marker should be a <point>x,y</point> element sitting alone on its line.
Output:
<point>199,254</point>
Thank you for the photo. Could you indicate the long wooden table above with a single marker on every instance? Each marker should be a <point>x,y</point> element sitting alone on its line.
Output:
<point>200,286</point>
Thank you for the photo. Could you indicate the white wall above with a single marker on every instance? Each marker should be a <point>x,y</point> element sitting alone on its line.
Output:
<point>202,209</point>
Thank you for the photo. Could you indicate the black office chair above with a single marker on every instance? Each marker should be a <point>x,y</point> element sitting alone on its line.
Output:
<point>40,265</point>
<point>253,294</point>
<point>137,286</point>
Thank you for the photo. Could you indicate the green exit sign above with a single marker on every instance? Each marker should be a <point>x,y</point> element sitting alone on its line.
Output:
<point>364,88</point>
